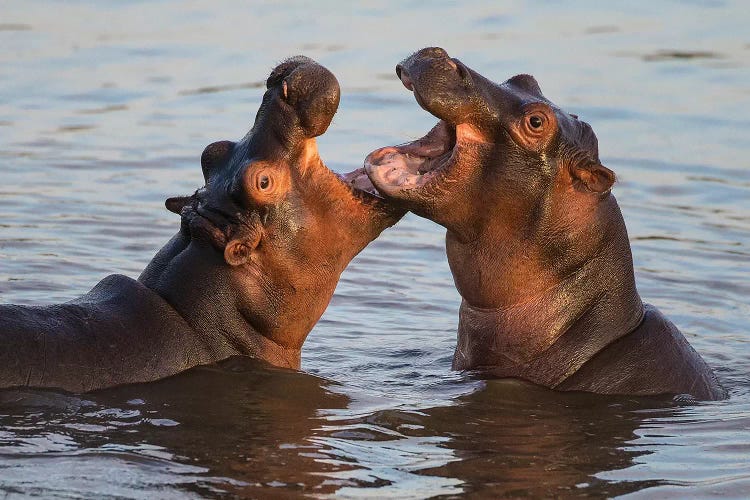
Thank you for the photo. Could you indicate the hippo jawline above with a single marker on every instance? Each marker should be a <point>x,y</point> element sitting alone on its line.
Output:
<point>413,164</point>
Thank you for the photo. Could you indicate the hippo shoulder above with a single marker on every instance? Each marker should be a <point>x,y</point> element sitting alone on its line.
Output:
<point>121,293</point>
<point>653,359</point>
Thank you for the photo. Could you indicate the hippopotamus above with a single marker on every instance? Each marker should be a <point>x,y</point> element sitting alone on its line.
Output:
<point>535,239</point>
<point>253,266</point>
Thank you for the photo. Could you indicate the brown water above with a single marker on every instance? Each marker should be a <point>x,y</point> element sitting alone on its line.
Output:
<point>104,110</point>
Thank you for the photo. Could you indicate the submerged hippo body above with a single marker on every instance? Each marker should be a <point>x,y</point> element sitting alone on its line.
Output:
<point>259,252</point>
<point>535,240</point>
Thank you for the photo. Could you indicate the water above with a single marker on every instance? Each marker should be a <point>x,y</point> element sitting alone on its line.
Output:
<point>104,110</point>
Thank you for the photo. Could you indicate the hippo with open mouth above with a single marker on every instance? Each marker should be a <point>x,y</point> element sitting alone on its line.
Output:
<point>259,252</point>
<point>535,239</point>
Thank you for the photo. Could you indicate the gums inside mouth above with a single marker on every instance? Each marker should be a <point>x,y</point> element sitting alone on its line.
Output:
<point>413,164</point>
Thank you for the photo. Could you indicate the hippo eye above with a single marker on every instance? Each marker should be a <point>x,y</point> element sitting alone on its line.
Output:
<point>261,183</point>
<point>536,122</point>
<point>536,127</point>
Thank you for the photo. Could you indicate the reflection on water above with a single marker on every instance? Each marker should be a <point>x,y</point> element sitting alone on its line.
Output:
<point>104,110</point>
<point>237,427</point>
<point>242,427</point>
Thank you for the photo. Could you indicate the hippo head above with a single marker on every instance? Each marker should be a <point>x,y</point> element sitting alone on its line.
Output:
<point>495,153</point>
<point>281,225</point>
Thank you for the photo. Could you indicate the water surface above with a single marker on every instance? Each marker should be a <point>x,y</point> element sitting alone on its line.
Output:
<point>105,108</point>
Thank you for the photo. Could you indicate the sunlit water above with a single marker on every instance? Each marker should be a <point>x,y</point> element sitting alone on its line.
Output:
<point>104,110</point>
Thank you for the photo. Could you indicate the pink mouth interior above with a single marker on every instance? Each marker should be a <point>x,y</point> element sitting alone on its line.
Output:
<point>413,164</point>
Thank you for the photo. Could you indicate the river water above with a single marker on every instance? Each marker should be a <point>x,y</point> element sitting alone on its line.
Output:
<point>105,108</point>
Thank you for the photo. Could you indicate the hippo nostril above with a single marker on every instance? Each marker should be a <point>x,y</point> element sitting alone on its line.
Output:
<point>398,71</point>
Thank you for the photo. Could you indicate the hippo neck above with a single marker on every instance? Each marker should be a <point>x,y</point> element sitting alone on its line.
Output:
<point>352,222</point>
<point>192,277</point>
<point>553,330</point>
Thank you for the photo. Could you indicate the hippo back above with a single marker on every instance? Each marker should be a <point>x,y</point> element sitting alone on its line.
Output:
<point>653,359</point>
<point>120,332</point>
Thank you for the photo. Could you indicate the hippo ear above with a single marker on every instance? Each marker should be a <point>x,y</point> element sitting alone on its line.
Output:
<point>177,203</point>
<point>240,251</point>
<point>592,177</point>
<point>215,155</point>
<point>526,82</point>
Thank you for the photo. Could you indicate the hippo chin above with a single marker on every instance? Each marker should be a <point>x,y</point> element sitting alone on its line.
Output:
<point>254,265</point>
<point>535,240</point>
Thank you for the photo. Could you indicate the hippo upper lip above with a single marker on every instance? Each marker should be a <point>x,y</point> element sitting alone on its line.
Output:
<point>406,80</point>
<point>216,215</point>
<point>409,84</point>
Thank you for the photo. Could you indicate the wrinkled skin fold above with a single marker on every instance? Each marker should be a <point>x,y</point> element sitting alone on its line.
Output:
<point>256,260</point>
<point>535,239</point>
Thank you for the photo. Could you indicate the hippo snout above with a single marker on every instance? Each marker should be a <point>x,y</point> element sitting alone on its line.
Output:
<point>441,85</point>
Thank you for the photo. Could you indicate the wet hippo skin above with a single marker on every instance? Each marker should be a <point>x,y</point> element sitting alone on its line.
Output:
<point>535,239</point>
<point>259,252</point>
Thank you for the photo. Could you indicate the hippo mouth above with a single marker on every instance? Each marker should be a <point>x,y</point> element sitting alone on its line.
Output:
<point>412,165</point>
<point>358,182</point>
